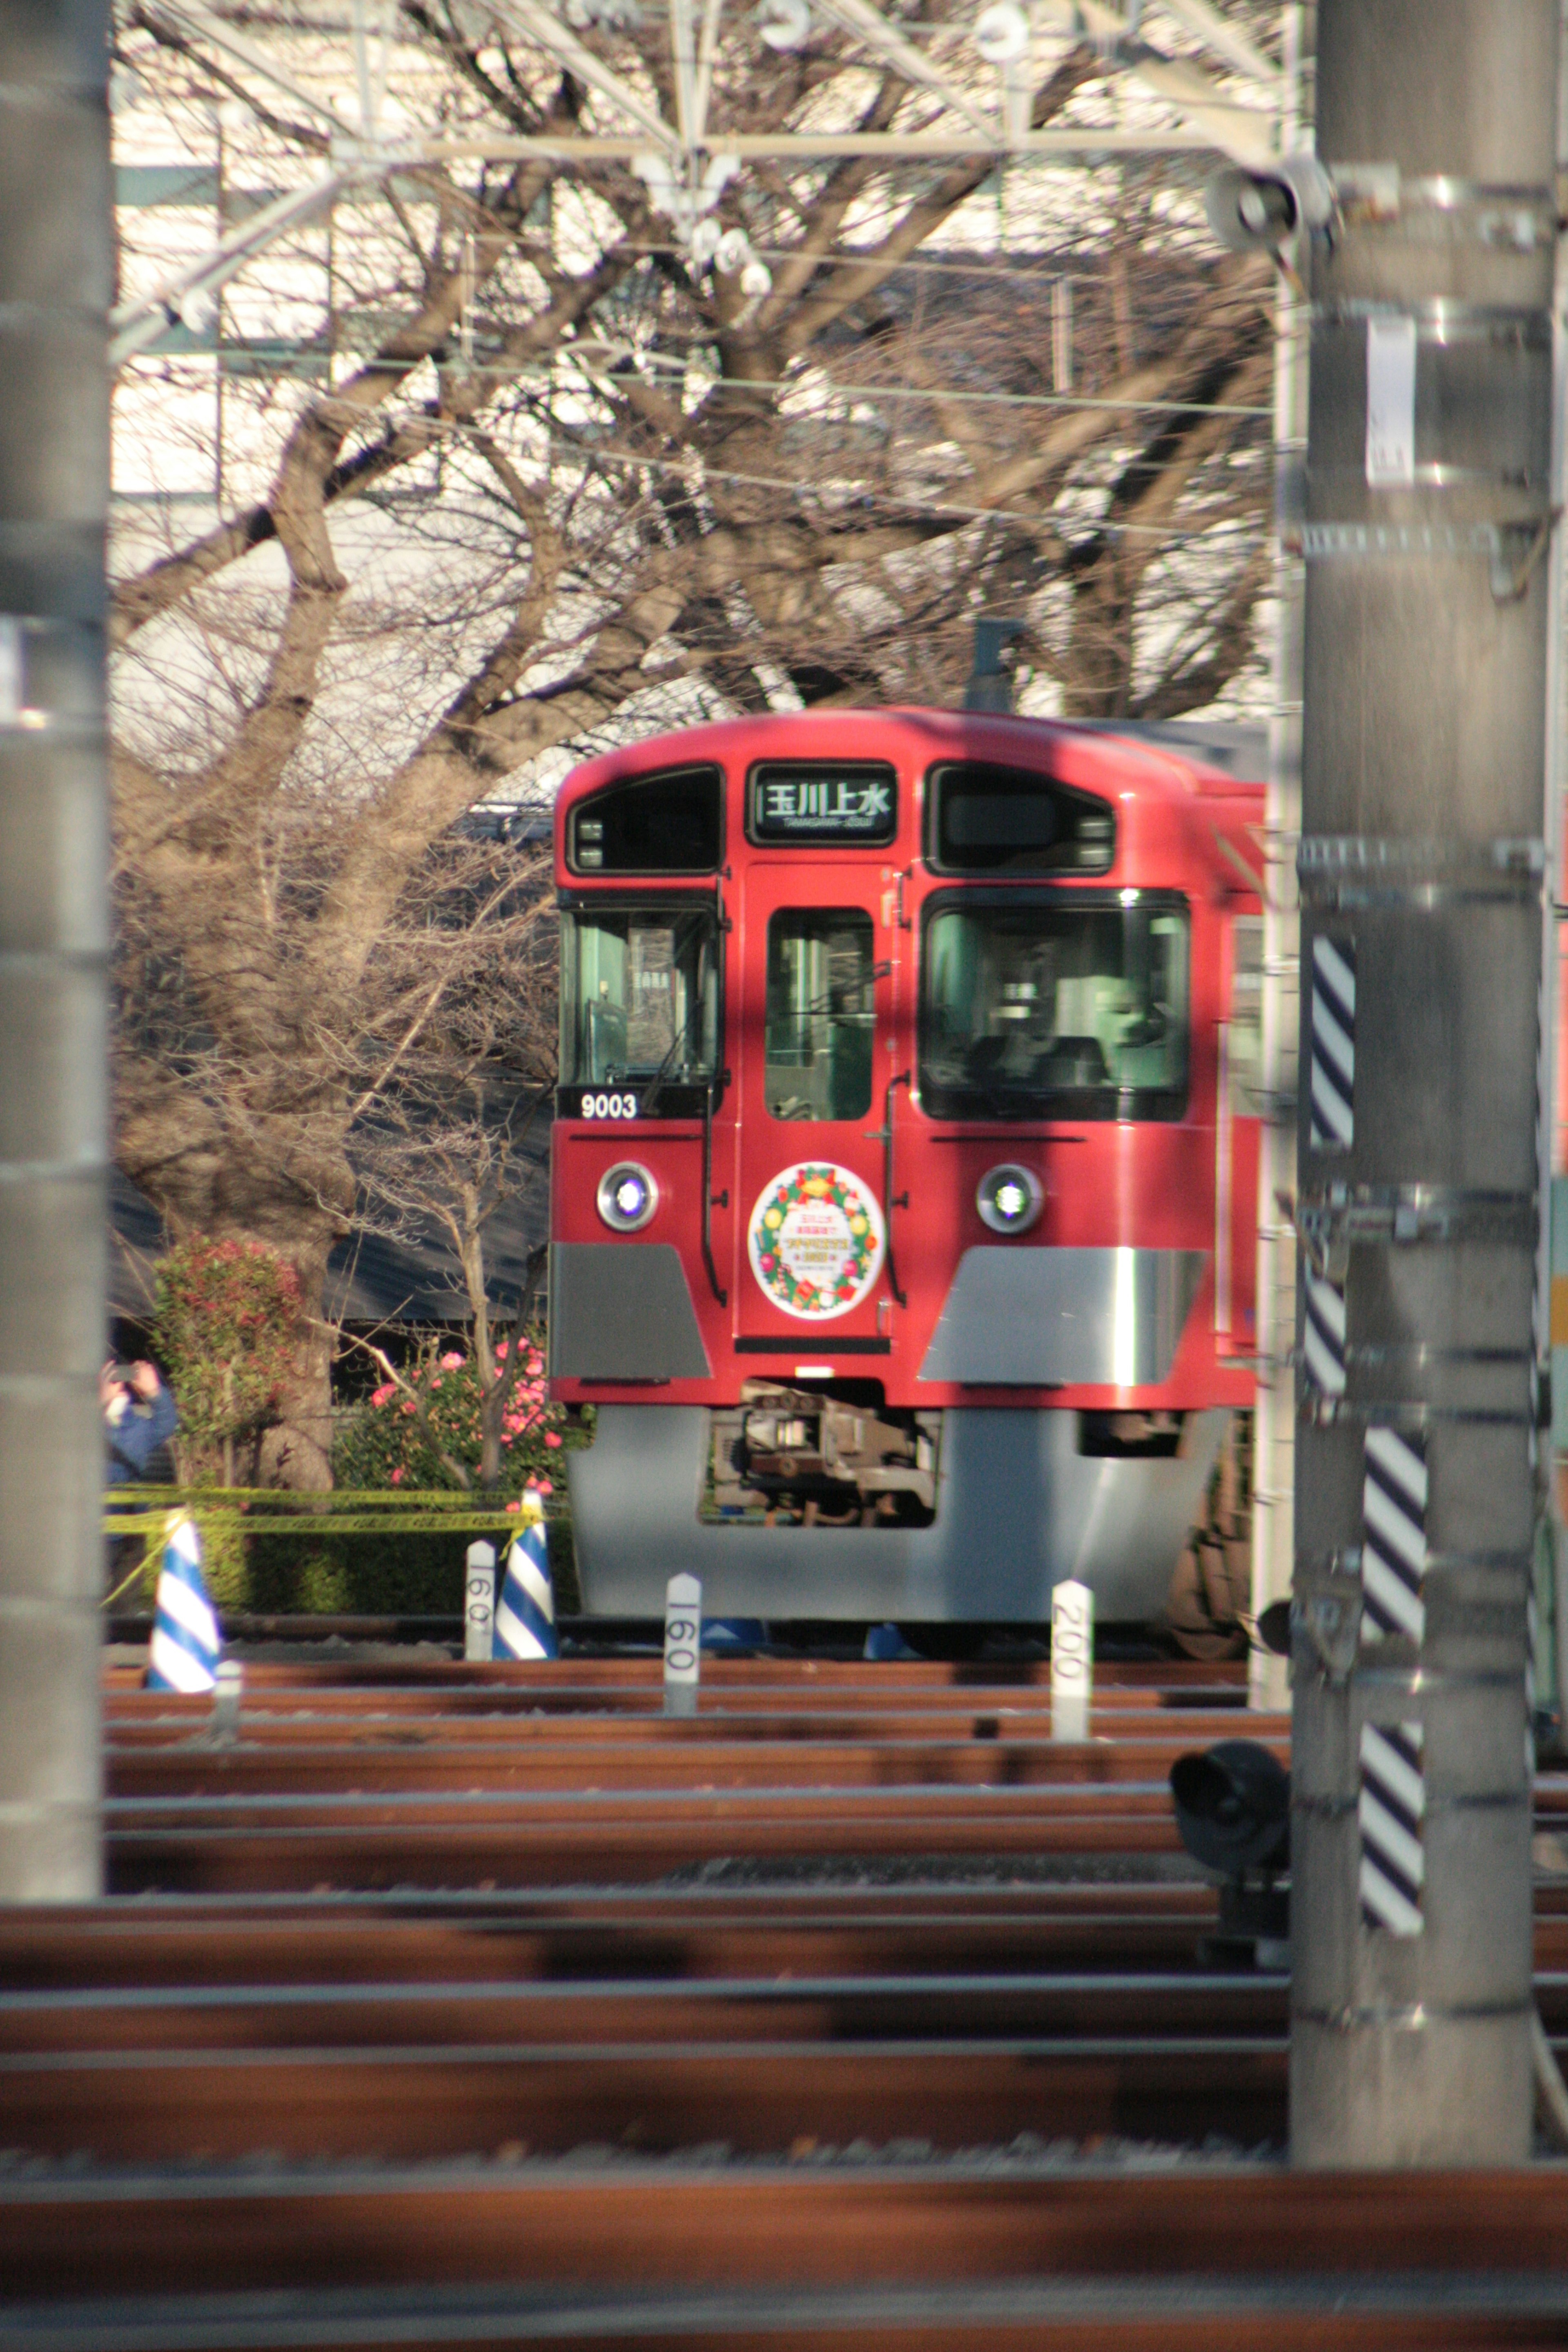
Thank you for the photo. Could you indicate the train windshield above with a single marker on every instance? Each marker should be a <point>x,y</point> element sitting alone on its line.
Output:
<point>640,995</point>
<point>1037,1010</point>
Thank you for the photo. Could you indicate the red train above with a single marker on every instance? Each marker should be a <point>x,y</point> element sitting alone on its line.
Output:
<point>903,1205</point>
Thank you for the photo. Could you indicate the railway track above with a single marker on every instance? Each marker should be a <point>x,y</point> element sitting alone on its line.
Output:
<point>466,2007</point>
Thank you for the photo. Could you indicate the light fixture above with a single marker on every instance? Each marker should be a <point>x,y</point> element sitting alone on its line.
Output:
<point>784,24</point>
<point>1009,1198</point>
<point>602,16</point>
<point>1002,34</point>
<point>669,193</point>
<point>627,1197</point>
<point>196,310</point>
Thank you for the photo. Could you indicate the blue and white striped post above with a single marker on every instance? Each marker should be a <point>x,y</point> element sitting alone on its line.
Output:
<point>525,1606</point>
<point>186,1645</point>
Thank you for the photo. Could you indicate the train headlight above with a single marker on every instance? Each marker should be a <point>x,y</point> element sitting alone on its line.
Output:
<point>1010,1199</point>
<point>627,1197</point>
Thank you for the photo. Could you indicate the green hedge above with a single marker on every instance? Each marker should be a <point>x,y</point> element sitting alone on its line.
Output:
<point>373,1576</point>
<point>315,1571</point>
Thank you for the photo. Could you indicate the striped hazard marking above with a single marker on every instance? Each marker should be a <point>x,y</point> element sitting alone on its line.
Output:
<point>1392,1810</point>
<point>1323,1334</point>
<point>1394,1535</point>
<point>1332,1090</point>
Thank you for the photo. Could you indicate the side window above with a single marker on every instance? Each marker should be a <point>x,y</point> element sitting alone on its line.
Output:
<point>820,1014</point>
<point>1244,1053</point>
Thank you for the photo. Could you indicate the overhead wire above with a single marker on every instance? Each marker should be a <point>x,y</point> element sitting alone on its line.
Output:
<point>958,509</point>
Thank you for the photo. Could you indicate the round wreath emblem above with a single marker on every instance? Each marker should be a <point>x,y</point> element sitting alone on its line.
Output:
<point>816,1240</point>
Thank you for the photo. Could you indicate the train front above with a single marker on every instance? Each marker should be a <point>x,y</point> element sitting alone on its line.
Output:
<point>903,1169</point>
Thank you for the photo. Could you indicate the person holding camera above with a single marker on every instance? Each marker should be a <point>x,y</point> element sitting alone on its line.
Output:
<point>139,1415</point>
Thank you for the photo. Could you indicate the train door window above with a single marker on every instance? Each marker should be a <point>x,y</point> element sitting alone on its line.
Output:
<point>1244,1036</point>
<point>821,1014</point>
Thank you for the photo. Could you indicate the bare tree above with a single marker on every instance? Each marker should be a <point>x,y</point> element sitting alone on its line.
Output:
<point>577,486</point>
<point>451,1141</point>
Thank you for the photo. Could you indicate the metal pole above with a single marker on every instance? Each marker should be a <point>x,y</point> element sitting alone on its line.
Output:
<point>1425,871</point>
<point>55,290</point>
<point>1274,1425</point>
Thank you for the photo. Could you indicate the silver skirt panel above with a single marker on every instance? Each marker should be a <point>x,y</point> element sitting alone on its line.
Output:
<point>1064,1318</point>
<point>1018,1510</point>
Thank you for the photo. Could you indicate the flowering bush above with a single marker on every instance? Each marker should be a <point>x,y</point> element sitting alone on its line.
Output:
<point>423,1428</point>
<point>227,1318</point>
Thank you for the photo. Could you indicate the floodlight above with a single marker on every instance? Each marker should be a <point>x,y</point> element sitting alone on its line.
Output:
<point>784,24</point>
<point>1256,211</point>
<point>1002,34</point>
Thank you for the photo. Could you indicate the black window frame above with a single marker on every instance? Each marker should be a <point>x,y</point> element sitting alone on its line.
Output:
<point>1104,1110</point>
<point>1038,877</point>
<point>784,843</point>
<point>673,1102</point>
<point>710,770</point>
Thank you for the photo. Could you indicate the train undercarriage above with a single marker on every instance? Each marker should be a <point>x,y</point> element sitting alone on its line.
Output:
<point>800,1504</point>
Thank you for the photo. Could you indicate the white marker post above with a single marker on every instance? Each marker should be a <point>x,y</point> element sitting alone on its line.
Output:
<point>682,1643</point>
<point>480,1601</point>
<point>1072,1660</point>
<point>228,1690</point>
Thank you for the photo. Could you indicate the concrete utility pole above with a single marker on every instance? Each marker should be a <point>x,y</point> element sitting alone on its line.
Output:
<point>1424,872</point>
<point>1273,1418</point>
<point>54,285</point>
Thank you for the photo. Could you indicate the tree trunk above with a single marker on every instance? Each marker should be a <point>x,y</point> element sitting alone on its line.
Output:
<point>298,1451</point>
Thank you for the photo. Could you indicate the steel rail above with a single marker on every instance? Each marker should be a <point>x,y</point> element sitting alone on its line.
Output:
<point>640,1934</point>
<point>420,2102</point>
<point>1155,1683</point>
<point>370,1766</point>
<point>1485,2244</point>
<point>151,1728</point>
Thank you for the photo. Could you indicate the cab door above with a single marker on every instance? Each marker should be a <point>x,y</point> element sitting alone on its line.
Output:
<point>819,1062</point>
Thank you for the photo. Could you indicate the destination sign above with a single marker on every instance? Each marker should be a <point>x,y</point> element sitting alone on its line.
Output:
<point>824,802</point>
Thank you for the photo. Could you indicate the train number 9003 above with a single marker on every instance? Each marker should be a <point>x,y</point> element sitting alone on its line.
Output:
<point>609,1106</point>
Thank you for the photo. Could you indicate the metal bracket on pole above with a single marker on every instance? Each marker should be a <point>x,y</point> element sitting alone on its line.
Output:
<point>1330,1617</point>
<point>1512,549</point>
<point>1385,1215</point>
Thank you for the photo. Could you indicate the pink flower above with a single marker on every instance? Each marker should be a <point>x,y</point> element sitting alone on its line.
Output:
<point>540,1487</point>
<point>408,1405</point>
<point>380,1395</point>
<point>500,1350</point>
<point>551,1437</point>
<point>536,1363</point>
<point>451,1363</point>
<point>399,1474</point>
<point>514,1506</point>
